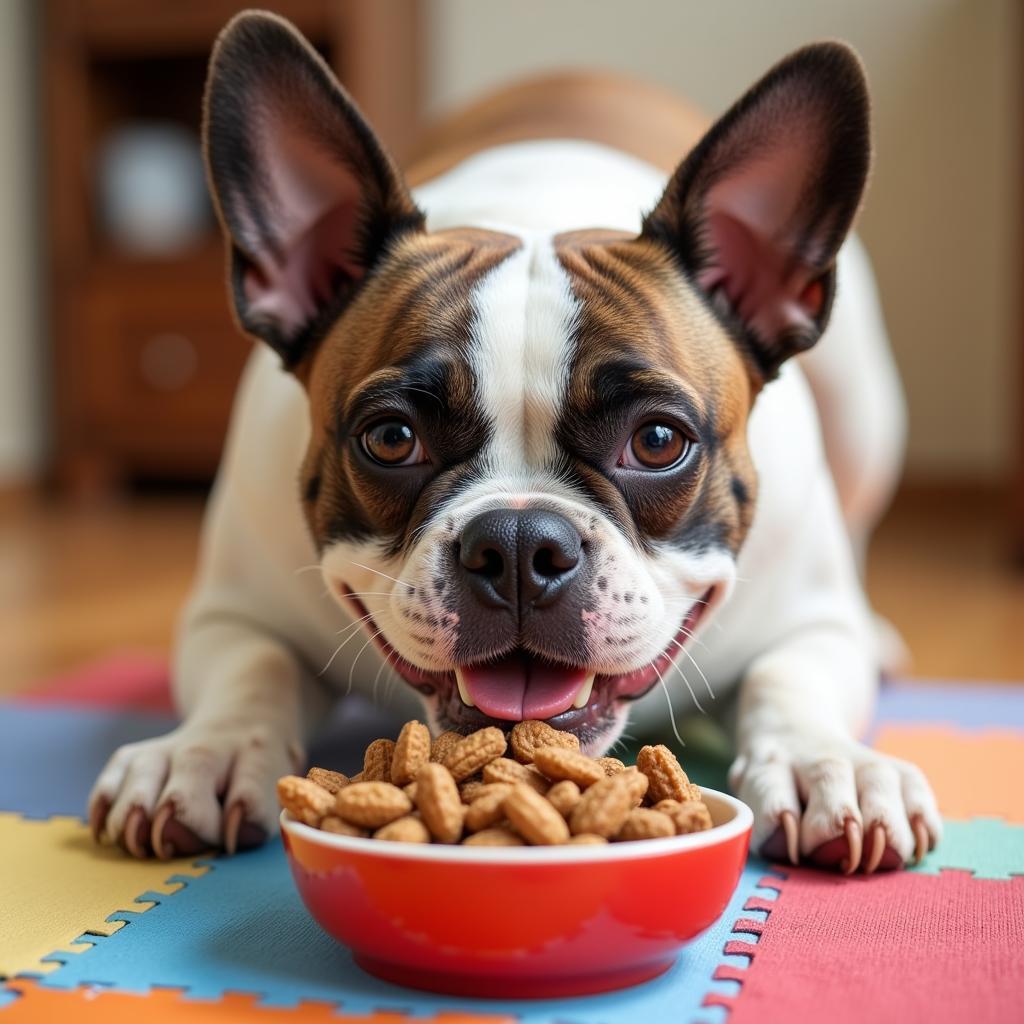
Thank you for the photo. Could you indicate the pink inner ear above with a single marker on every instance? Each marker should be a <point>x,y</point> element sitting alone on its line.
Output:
<point>766,288</point>
<point>752,218</point>
<point>292,289</point>
<point>312,217</point>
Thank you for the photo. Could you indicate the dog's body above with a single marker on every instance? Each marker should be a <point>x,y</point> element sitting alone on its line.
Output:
<point>797,518</point>
<point>511,210</point>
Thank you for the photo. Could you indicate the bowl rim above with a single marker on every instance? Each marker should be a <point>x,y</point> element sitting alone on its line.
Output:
<point>741,821</point>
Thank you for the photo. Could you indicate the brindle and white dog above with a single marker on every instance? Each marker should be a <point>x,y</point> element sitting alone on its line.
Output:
<point>538,431</point>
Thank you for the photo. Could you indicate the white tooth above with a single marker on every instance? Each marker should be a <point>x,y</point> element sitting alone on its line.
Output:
<point>584,695</point>
<point>463,689</point>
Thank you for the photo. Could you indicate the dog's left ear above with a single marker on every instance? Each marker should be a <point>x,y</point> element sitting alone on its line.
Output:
<point>308,197</point>
<point>758,210</point>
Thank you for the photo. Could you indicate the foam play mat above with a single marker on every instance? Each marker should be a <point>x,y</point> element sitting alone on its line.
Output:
<point>90,935</point>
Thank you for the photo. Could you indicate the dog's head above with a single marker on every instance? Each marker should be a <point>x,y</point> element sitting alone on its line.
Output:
<point>528,473</point>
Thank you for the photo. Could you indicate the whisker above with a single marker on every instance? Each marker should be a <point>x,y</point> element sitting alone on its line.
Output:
<point>376,678</point>
<point>417,533</point>
<point>307,568</point>
<point>414,668</point>
<point>671,713</point>
<point>423,391</point>
<point>354,627</point>
<point>622,743</point>
<point>401,583</point>
<point>397,392</point>
<point>692,637</point>
<point>352,669</point>
<point>693,661</point>
<point>394,680</point>
<point>355,622</point>
<point>682,675</point>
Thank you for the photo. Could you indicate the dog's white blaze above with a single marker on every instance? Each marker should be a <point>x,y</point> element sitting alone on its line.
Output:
<point>520,356</point>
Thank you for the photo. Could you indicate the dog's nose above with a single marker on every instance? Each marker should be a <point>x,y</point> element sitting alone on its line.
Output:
<point>519,557</point>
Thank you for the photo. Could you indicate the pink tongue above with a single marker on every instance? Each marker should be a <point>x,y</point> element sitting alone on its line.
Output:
<point>517,689</point>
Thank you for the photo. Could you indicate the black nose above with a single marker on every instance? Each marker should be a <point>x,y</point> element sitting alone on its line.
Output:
<point>519,557</point>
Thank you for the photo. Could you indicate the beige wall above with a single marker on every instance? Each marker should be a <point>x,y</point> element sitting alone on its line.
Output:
<point>941,217</point>
<point>21,420</point>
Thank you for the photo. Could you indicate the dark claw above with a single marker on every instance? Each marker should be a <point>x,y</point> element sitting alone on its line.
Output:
<point>250,835</point>
<point>874,849</point>
<point>881,856</point>
<point>922,840</point>
<point>778,846</point>
<point>843,852</point>
<point>136,836</point>
<point>171,838</point>
<point>240,834</point>
<point>98,817</point>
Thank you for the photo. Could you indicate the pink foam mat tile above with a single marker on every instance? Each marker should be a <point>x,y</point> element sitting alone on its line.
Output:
<point>129,680</point>
<point>900,946</point>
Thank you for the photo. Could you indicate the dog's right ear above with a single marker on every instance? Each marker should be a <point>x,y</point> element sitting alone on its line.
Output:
<point>308,198</point>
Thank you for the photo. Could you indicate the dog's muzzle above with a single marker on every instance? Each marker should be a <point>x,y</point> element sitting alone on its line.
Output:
<point>520,579</point>
<point>520,582</point>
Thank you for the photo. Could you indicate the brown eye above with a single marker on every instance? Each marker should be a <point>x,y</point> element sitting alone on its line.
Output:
<point>392,443</point>
<point>656,446</point>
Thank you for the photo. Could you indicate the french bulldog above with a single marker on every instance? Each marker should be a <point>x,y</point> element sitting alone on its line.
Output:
<point>543,438</point>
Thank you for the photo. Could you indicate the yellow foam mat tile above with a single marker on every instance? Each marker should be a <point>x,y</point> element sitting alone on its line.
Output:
<point>56,884</point>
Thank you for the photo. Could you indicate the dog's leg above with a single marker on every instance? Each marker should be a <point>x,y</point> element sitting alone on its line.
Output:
<point>245,694</point>
<point>210,782</point>
<point>816,792</point>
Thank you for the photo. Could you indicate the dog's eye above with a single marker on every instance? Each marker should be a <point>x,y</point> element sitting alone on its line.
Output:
<point>392,443</point>
<point>655,446</point>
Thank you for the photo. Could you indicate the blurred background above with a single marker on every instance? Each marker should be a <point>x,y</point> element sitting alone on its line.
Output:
<point>118,358</point>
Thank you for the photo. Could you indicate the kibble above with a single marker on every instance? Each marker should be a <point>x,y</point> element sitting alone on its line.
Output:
<point>463,789</point>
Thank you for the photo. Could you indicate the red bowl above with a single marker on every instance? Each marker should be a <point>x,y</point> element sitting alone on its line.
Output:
<point>522,922</point>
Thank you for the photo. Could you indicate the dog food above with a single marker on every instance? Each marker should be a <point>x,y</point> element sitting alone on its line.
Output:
<point>463,789</point>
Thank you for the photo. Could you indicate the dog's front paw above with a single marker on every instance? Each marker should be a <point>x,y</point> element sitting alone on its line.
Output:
<point>196,788</point>
<point>836,803</point>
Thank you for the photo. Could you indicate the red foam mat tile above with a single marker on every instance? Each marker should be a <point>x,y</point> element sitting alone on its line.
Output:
<point>943,948</point>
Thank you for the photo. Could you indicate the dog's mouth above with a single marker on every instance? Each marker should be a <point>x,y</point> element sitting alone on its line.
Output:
<point>521,685</point>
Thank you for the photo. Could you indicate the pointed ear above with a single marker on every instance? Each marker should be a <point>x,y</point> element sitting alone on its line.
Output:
<point>307,197</point>
<point>758,210</point>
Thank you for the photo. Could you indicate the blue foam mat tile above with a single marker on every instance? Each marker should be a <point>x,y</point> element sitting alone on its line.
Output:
<point>50,755</point>
<point>718,1012</point>
<point>972,706</point>
<point>242,927</point>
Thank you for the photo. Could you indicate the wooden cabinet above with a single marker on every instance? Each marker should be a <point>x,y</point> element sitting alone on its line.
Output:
<point>163,361</point>
<point>144,354</point>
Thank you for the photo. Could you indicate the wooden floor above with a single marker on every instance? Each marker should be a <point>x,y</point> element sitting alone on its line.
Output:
<point>77,584</point>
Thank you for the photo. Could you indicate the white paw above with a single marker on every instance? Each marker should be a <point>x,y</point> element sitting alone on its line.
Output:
<point>835,802</point>
<point>195,788</point>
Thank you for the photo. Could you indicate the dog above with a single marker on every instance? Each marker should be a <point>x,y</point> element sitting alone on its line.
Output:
<point>547,432</point>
